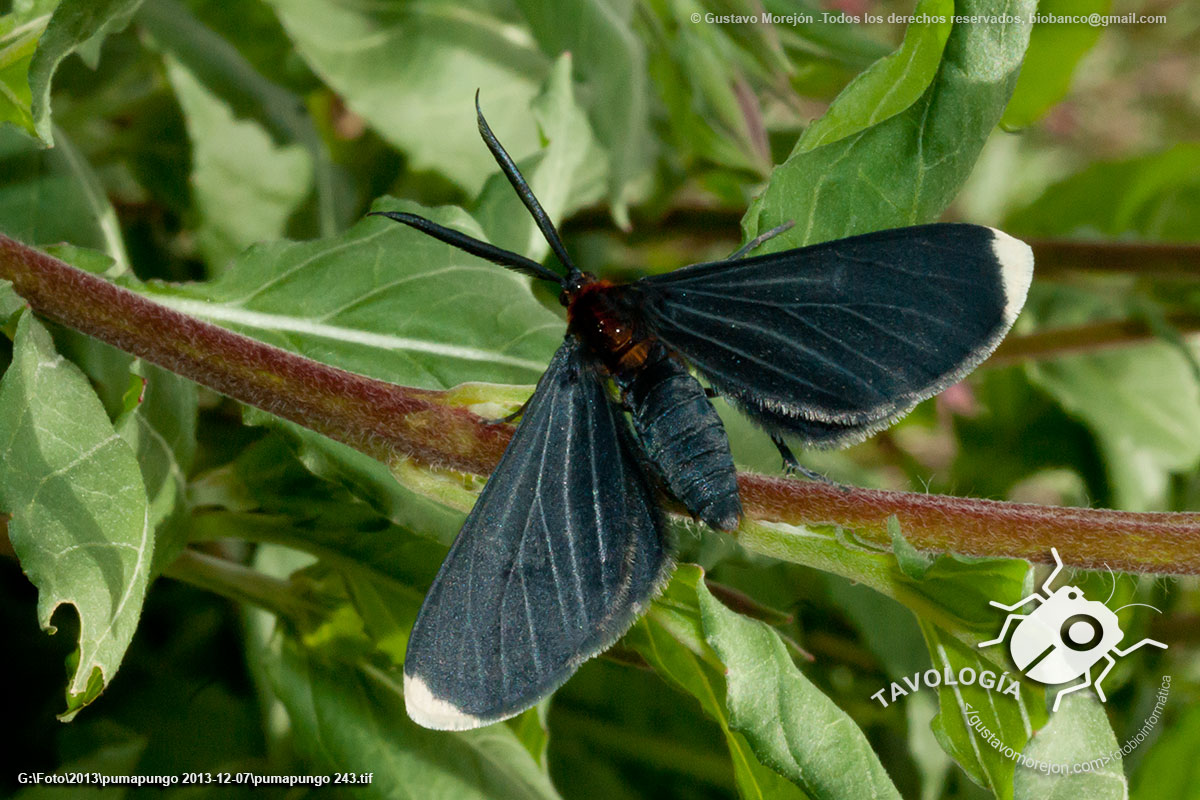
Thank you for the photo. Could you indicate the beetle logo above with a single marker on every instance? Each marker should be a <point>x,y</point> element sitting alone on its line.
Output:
<point>1064,636</point>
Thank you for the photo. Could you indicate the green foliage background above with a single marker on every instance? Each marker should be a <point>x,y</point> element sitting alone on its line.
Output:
<point>219,157</point>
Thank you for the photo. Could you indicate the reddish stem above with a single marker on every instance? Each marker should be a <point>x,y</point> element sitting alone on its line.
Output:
<point>378,418</point>
<point>1085,537</point>
<point>391,422</point>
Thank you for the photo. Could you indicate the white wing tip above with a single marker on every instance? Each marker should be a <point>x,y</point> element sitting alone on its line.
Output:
<point>430,711</point>
<point>1016,271</point>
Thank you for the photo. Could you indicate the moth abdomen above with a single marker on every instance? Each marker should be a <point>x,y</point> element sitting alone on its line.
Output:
<point>683,437</point>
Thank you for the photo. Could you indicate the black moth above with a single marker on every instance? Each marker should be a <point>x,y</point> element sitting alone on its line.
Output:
<point>566,543</point>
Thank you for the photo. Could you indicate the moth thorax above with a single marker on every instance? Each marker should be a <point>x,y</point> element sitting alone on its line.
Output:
<point>606,327</point>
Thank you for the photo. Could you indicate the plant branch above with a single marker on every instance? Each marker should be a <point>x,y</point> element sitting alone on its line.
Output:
<point>381,419</point>
<point>1052,256</point>
<point>393,423</point>
<point>1086,338</point>
<point>238,582</point>
<point>1089,538</point>
<point>1159,259</point>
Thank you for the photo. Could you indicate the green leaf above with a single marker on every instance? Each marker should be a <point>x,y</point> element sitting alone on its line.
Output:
<point>1171,768</point>
<point>671,639</point>
<point>912,561</point>
<point>385,301</point>
<point>76,25</point>
<point>19,33</point>
<point>1077,734</point>
<point>886,627</point>
<point>569,173</point>
<point>411,70</point>
<point>244,187</point>
<point>1154,195</point>
<point>611,62</point>
<point>964,585</point>
<point>11,304</point>
<point>953,593</point>
<point>1013,720</point>
<point>366,588</point>
<point>84,258</point>
<point>906,169</point>
<point>351,718</point>
<point>891,84</point>
<point>691,67</point>
<point>161,429</point>
<point>80,521</point>
<point>792,726</point>
<point>1142,404</point>
<point>121,755</point>
<point>395,496</point>
<point>533,732</point>
<point>53,195</point>
<point>267,494</point>
<point>1055,50</point>
<point>219,65</point>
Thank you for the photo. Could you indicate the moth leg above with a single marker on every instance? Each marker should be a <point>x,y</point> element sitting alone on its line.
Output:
<point>762,237</point>
<point>792,466</point>
<point>622,399</point>
<point>508,417</point>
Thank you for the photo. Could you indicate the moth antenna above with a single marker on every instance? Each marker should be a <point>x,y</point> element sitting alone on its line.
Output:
<point>468,244</point>
<point>524,192</point>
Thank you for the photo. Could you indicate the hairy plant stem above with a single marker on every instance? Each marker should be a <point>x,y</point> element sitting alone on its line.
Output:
<point>393,423</point>
<point>381,419</point>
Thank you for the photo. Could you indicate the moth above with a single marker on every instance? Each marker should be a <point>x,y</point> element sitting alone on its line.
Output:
<point>567,543</point>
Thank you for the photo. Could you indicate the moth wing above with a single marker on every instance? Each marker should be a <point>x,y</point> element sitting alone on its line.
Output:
<point>563,548</point>
<point>831,342</point>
